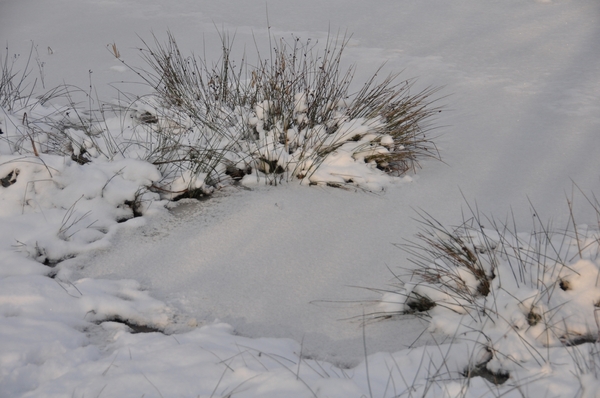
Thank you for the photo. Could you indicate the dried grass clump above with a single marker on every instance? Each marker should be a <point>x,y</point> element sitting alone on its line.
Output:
<point>278,119</point>
<point>285,117</point>
<point>61,121</point>
<point>526,298</point>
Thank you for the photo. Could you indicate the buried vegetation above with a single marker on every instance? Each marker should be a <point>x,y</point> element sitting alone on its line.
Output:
<point>289,116</point>
<point>521,302</point>
<point>515,304</point>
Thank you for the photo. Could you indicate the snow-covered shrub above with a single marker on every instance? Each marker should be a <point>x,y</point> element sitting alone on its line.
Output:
<point>290,116</point>
<point>526,301</point>
<point>55,122</point>
<point>58,165</point>
<point>24,119</point>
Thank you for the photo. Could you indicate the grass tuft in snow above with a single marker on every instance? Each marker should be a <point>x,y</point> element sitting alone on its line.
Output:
<point>528,300</point>
<point>289,116</point>
<point>63,121</point>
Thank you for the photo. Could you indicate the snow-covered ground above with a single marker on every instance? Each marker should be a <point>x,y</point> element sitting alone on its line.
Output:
<point>281,265</point>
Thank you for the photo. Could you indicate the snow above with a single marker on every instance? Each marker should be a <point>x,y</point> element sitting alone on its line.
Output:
<point>253,289</point>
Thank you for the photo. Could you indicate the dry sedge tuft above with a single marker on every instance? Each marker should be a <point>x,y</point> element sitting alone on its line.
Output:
<point>282,116</point>
<point>492,288</point>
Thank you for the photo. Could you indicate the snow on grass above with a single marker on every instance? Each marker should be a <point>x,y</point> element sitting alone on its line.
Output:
<point>518,309</point>
<point>71,176</point>
<point>290,117</point>
<point>526,305</point>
